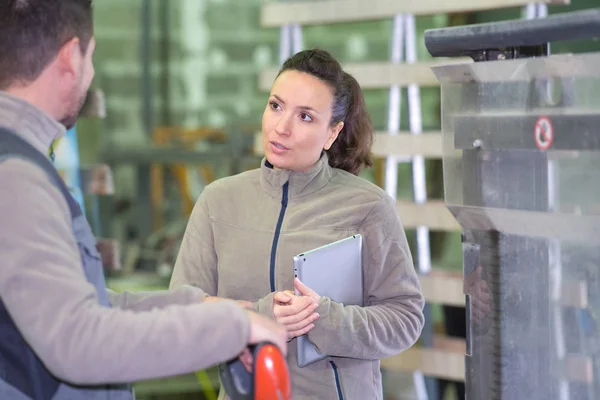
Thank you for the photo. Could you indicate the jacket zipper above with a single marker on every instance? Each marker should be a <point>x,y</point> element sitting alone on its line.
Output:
<point>336,375</point>
<point>284,203</point>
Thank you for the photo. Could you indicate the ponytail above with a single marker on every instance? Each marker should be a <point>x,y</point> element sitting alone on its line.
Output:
<point>352,149</point>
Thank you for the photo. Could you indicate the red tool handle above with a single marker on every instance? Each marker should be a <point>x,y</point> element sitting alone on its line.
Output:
<point>268,380</point>
<point>271,374</point>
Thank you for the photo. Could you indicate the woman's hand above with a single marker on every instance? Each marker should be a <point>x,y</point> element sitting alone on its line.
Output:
<point>295,313</point>
<point>306,291</point>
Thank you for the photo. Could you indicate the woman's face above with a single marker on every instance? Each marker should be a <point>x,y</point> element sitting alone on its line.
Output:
<point>296,122</point>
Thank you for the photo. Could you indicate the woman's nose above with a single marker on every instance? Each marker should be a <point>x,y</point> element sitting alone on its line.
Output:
<point>283,125</point>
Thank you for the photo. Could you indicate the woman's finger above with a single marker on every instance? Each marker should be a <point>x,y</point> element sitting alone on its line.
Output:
<point>299,304</point>
<point>282,297</point>
<point>302,331</point>
<point>297,317</point>
<point>303,323</point>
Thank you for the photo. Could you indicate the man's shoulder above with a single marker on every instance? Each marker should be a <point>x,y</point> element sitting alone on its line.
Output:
<point>24,183</point>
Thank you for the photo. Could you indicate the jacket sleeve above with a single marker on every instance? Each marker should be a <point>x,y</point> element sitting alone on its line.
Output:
<point>392,318</point>
<point>44,289</point>
<point>145,301</point>
<point>264,306</point>
<point>196,263</point>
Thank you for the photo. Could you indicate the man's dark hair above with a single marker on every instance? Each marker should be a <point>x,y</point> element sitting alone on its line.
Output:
<point>33,31</point>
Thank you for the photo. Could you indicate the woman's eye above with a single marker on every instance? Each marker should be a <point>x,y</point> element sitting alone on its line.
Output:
<point>305,117</point>
<point>274,105</point>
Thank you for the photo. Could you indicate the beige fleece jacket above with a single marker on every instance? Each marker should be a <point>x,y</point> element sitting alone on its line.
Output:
<point>43,286</point>
<point>229,244</point>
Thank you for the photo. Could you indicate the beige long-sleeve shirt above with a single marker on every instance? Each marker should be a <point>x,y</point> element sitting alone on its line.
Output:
<point>43,286</point>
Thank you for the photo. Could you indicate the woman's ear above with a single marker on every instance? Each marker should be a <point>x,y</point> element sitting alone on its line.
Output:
<point>334,131</point>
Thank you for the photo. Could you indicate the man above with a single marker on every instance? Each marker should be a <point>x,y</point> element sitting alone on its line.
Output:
<point>63,335</point>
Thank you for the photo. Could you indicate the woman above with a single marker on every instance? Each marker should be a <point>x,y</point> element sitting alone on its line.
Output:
<point>245,229</point>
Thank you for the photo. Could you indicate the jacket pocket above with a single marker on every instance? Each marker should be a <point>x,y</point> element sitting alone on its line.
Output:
<point>91,260</point>
<point>336,377</point>
<point>86,241</point>
<point>88,249</point>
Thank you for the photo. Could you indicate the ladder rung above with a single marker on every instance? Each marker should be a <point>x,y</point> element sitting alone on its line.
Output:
<point>446,359</point>
<point>378,75</point>
<point>434,215</point>
<point>443,287</point>
<point>404,144</point>
<point>431,362</point>
<point>446,287</point>
<point>336,11</point>
<point>449,343</point>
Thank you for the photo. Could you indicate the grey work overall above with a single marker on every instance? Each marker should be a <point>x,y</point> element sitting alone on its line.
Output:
<point>22,374</point>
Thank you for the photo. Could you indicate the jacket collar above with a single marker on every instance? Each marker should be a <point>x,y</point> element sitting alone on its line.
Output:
<point>29,122</point>
<point>300,183</point>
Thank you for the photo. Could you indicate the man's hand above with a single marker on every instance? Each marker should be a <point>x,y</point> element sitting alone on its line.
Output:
<point>247,359</point>
<point>295,313</point>
<point>263,329</point>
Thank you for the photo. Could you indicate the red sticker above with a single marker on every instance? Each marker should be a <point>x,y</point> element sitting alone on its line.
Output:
<point>543,133</point>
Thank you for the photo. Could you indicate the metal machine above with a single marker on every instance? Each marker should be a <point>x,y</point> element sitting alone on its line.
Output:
<point>521,138</point>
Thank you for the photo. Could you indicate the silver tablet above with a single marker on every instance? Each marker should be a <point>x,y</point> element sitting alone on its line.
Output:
<point>333,271</point>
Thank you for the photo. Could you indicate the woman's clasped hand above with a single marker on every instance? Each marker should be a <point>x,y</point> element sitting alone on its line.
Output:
<point>296,312</point>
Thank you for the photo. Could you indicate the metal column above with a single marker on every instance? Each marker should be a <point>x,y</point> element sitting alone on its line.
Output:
<point>529,249</point>
<point>404,36</point>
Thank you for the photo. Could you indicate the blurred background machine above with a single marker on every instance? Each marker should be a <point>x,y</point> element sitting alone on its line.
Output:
<point>172,171</point>
<point>88,182</point>
<point>521,140</point>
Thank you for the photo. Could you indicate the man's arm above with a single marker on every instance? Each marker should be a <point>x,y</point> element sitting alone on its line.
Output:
<point>43,286</point>
<point>148,300</point>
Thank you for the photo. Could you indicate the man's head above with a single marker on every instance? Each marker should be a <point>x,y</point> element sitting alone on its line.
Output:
<point>46,49</point>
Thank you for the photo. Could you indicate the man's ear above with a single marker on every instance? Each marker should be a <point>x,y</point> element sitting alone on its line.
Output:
<point>333,134</point>
<point>69,58</point>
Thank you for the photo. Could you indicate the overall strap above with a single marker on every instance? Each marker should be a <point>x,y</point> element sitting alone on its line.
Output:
<point>11,145</point>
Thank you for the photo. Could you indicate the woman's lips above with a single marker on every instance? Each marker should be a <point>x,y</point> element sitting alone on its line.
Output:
<point>278,148</point>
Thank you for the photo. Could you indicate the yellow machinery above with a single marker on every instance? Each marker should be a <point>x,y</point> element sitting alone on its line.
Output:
<point>187,139</point>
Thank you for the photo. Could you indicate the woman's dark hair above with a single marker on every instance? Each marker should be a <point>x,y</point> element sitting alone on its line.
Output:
<point>352,148</point>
